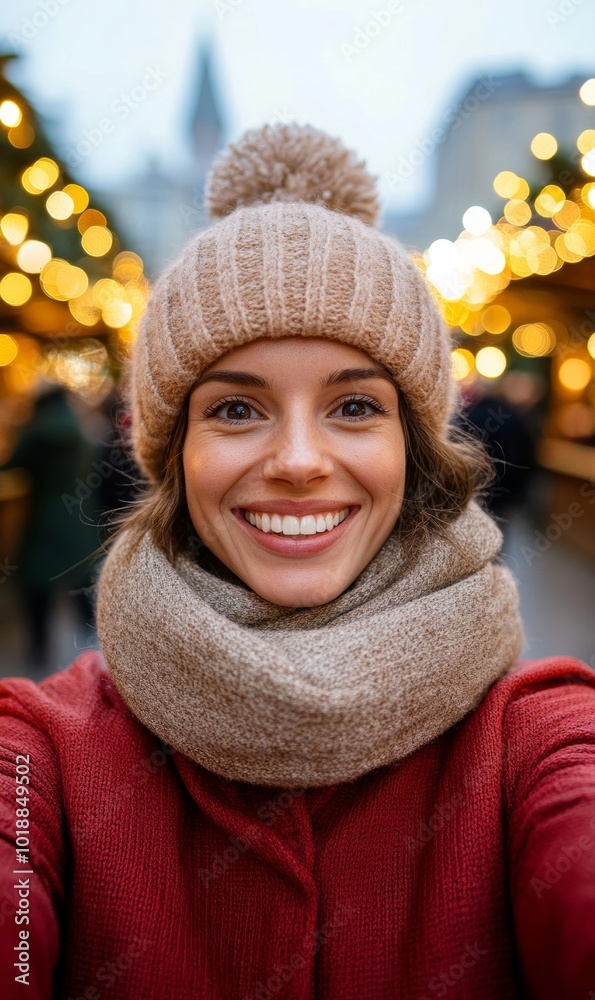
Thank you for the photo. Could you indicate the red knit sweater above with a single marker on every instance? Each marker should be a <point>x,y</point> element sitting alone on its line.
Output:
<point>466,870</point>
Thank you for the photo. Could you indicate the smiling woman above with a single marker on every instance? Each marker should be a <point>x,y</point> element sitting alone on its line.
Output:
<point>308,700</point>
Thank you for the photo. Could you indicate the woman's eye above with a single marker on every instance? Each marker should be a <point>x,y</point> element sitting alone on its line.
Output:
<point>353,408</point>
<point>233,411</point>
<point>356,409</point>
<point>237,411</point>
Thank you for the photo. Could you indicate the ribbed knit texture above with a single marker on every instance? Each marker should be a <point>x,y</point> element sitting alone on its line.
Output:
<point>285,269</point>
<point>306,697</point>
<point>462,872</point>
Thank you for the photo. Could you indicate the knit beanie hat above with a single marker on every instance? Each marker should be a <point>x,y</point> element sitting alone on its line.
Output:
<point>295,252</point>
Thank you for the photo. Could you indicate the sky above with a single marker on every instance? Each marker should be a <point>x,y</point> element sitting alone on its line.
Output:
<point>378,74</point>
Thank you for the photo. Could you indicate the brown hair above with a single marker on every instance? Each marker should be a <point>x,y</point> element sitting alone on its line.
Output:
<point>441,477</point>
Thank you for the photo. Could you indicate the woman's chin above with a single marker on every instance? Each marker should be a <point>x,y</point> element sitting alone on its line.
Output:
<point>310,593</point>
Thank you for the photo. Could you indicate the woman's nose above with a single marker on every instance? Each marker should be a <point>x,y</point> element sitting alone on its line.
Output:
<point>299,452</point>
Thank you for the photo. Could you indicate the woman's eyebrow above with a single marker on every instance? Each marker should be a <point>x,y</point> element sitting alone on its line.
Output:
<point>335,378</point>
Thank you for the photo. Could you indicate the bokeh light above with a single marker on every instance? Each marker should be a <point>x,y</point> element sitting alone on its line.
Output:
<point>490,362</point>
<point>544,146</point>
<point>462,363</point>
<point>477,220</point>
<point>15,288</point>
<point>8,349</point>
<point>14,227</point>
<point>60,205</point>
<point>10,114</point>
<point>575,374</point>
<point>33,255</point>
<point>587,92</point>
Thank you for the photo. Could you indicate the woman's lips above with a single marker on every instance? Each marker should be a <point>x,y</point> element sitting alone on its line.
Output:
<point>294,547</point>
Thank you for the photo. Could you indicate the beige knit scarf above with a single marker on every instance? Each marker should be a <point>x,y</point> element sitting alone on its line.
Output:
<point>310,696</point>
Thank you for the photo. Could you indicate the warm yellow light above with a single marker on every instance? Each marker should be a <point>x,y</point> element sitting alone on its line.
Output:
<point>588,194</point>
<point>534,340</point>
<point>33,255</point>
<point>91,218</point>
<point>8,349</point>
<point>477,220</point>
<point>542,259</point>
<point>575,374</point>
<point>84,310</point>
<point>60,205</point>
<point>40,175</point>
<point>565,251</point>
<point>588,163</point>
<point>21,136</point>
<point>581,236</point>
<point>96,241</point>
<point>117,314</point>
<point>517,212</point>
<point>105,291</point>
<point>586,140</point>
<point>15,288</point>
<point>490,362</point>
<point>506,184</point>
<point>495,319</point>
<point>587,92</point>
<point>523,190</point>
<point>543,146</point>
<point>10,114</point>
<point>462,363</point>
<point>591,345</point>
<point>127,266</point>
<point>62,281</point>
<point>549,200</point>
<point>14,228</point>
<point>567,214</point>
<point>79,197</point>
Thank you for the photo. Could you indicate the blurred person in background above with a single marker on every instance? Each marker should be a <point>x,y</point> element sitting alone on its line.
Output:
<point>60,529</point>
<point>506,435</point>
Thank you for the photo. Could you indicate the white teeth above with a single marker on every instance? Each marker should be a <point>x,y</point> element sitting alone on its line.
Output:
<point>289,524</point>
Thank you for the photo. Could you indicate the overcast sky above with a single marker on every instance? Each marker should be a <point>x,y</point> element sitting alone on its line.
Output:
<point>378,74</point>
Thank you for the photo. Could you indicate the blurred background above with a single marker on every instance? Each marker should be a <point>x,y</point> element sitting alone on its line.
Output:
<point>479,124</point>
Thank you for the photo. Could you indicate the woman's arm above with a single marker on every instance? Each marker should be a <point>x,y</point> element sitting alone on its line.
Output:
<point>31,852</point>
<point>550,790</point>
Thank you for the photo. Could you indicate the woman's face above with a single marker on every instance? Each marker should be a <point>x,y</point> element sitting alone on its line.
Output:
<point>294,431</point>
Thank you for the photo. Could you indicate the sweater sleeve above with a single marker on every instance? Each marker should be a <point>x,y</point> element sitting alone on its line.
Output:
<point>549,781</point>
<point>31,882</point>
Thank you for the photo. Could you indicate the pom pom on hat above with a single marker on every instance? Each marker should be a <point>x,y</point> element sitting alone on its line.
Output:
<point>291,163</point>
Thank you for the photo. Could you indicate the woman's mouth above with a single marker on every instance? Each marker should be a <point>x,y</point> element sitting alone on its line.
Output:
<point>287,534</point>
